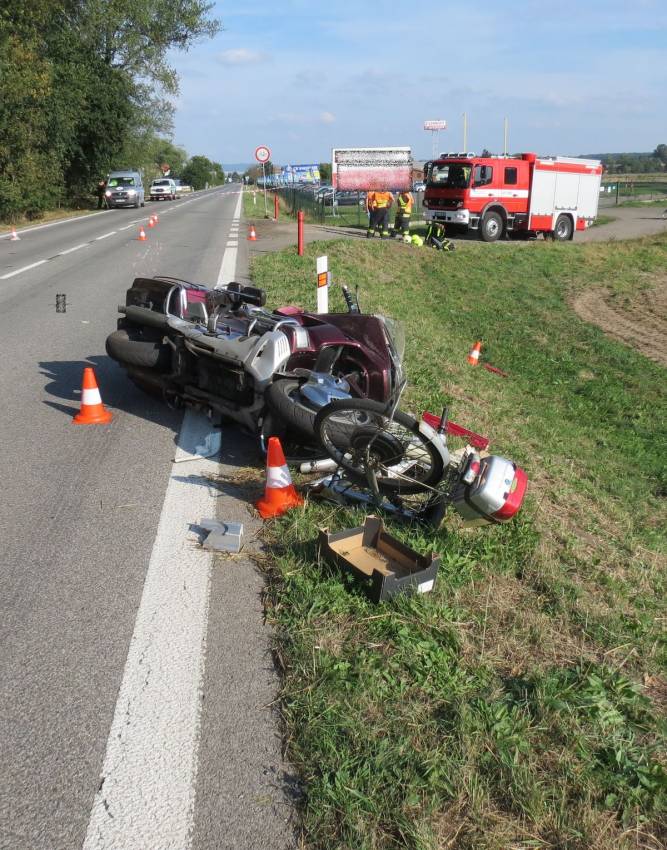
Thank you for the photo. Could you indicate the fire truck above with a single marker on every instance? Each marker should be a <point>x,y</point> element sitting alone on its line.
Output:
<point>518,196</point>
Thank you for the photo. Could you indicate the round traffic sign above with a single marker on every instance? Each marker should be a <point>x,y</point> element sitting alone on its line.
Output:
<point>262,154</point>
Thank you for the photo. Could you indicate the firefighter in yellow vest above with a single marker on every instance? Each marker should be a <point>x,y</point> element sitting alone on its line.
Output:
<point>378,205</point>
<point>404,204</point>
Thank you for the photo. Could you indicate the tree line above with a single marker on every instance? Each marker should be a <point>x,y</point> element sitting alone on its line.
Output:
<point>85,87</point>
<point>634,163</point>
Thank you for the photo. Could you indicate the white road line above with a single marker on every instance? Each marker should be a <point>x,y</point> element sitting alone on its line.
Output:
<point>23,269</point>
<point>125,228</point>
<point>54,223</point>
<point>71,250</point>
<point>106,235</point>
<point>147,788</point>
<point>232,244</point>
<point>228,266</point>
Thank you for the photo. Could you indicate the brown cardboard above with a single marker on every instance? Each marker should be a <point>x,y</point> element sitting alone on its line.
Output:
<point>384,564</point>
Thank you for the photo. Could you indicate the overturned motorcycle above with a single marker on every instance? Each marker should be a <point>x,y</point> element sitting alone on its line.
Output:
<point>329,383</point>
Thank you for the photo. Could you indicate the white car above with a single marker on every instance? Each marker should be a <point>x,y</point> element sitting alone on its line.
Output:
<point>164,189</point>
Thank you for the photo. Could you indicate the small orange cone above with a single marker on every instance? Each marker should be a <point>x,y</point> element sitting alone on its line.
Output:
<point>142,234</point>
<point>14,237</point>
<point>155,218</point>
<point>252,237</point>
<point>151,222</point>
<point>92,410</point>
<point>279,493</point>
<point>473,356</point>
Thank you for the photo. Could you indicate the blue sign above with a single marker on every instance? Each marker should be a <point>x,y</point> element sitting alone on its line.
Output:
<point>301,173</point>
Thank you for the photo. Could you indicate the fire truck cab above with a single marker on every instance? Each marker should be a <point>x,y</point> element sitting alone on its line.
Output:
<point>520,195</point>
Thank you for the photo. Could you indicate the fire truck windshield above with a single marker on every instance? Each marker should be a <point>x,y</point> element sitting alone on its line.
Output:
<point>449,175</point>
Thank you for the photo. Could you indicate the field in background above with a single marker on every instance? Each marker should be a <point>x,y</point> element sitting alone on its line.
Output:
<point>522,704</point>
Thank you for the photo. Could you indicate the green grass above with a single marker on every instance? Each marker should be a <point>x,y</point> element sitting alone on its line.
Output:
<point>603,219</point>
<point>522,703</point>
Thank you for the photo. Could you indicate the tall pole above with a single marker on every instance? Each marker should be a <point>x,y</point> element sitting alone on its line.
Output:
<point>505,136</point>
<point>465,132</point>
<point>266,208</point>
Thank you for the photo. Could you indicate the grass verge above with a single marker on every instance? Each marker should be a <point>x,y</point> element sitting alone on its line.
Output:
<point>522,704</point>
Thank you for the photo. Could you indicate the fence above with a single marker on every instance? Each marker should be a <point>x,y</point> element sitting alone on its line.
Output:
<point>348,209</point>
<point>621,189</point>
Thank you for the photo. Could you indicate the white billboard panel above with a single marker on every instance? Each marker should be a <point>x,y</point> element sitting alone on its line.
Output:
<point>435,125</point>
<point>365,169</point>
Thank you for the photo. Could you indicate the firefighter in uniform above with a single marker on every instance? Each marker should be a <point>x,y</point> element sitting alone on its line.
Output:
<point>378,205</point>
<point>435,237</point>
<point>404,204</point>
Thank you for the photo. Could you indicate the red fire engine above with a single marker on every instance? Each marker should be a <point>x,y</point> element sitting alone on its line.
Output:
<point>519,195</point>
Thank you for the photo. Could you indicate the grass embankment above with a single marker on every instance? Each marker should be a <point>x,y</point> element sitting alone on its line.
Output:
<point>522,703</point>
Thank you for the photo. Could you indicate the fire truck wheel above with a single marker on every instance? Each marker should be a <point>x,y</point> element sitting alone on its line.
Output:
<point>491,228</point>
<point>563,228</point>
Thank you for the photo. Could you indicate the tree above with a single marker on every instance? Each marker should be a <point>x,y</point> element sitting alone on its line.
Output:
<point>83,88</point>
<point>200,172</point>
<point>661,153</point>
<point>325,172</point>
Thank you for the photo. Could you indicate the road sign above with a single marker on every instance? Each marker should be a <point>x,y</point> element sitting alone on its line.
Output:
<point>165,168</point>
<point>262,154</point>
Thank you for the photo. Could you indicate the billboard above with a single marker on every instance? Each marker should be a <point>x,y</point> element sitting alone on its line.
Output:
<point>435,125</point>
<point>363,169</point>
<point>300,173</point>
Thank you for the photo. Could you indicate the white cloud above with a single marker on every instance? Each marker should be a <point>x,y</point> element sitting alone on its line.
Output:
<point>327,117</point>
<point>241,56</point>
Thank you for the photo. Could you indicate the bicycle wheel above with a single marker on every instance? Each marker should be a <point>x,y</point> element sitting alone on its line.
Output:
<point>359,435</point>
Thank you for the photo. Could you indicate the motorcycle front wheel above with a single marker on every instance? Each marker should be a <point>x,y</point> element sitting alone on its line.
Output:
<point>366,442</point>
<point>285,400</point>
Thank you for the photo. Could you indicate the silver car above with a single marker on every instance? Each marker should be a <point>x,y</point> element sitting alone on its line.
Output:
<point>164,189</point>
<point>124,189</point>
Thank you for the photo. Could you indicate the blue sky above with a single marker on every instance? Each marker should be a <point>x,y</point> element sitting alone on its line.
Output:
<point>303,77</point>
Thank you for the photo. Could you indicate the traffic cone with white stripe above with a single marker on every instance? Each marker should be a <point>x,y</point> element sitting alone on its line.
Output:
<point>252,236</point>
<point>279,494</point>
<point>155,218</point>
<point>151,222</point>
<point>92,412</point>
<point>14,237</point>
<point>142,234</point>
<point>475,351</point>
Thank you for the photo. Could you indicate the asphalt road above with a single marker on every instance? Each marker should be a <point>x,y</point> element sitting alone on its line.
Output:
<point>83,515</point>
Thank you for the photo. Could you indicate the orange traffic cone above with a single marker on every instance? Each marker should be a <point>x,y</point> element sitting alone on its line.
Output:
<point>252,237</point>
<point>155,218</point>
<point>279,493</point>
<point>14,237</point>
<point>92,410</point>
<point>142,234</point>
<point>473,356</point>
<point>151,222</point>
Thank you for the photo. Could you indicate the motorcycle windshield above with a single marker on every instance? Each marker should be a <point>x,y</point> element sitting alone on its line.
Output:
<point>396,334</point>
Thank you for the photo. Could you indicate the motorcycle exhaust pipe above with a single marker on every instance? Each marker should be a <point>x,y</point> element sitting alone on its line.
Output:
<point>326,464</point>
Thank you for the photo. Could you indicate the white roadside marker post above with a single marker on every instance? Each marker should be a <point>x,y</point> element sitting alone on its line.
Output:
<point>322,285</point>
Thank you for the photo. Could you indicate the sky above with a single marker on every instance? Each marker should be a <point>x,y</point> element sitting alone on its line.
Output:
<point>304,77</point>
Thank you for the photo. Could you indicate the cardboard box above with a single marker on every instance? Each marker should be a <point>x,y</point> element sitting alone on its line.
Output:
<point>383,565</point>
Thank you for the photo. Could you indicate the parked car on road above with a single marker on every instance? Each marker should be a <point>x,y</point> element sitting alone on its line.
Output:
<point>124,189</point>
<point>343,199</point>
<point>419,186</point>
<point>164,189</point>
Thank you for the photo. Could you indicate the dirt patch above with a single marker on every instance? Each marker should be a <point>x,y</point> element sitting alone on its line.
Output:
<point>638,320</point>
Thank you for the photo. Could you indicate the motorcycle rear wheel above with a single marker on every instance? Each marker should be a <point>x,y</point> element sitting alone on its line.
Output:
<point>361,437</point>
<point>133,345</point>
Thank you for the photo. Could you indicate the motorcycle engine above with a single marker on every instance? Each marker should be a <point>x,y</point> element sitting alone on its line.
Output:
<point>224,381</point>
